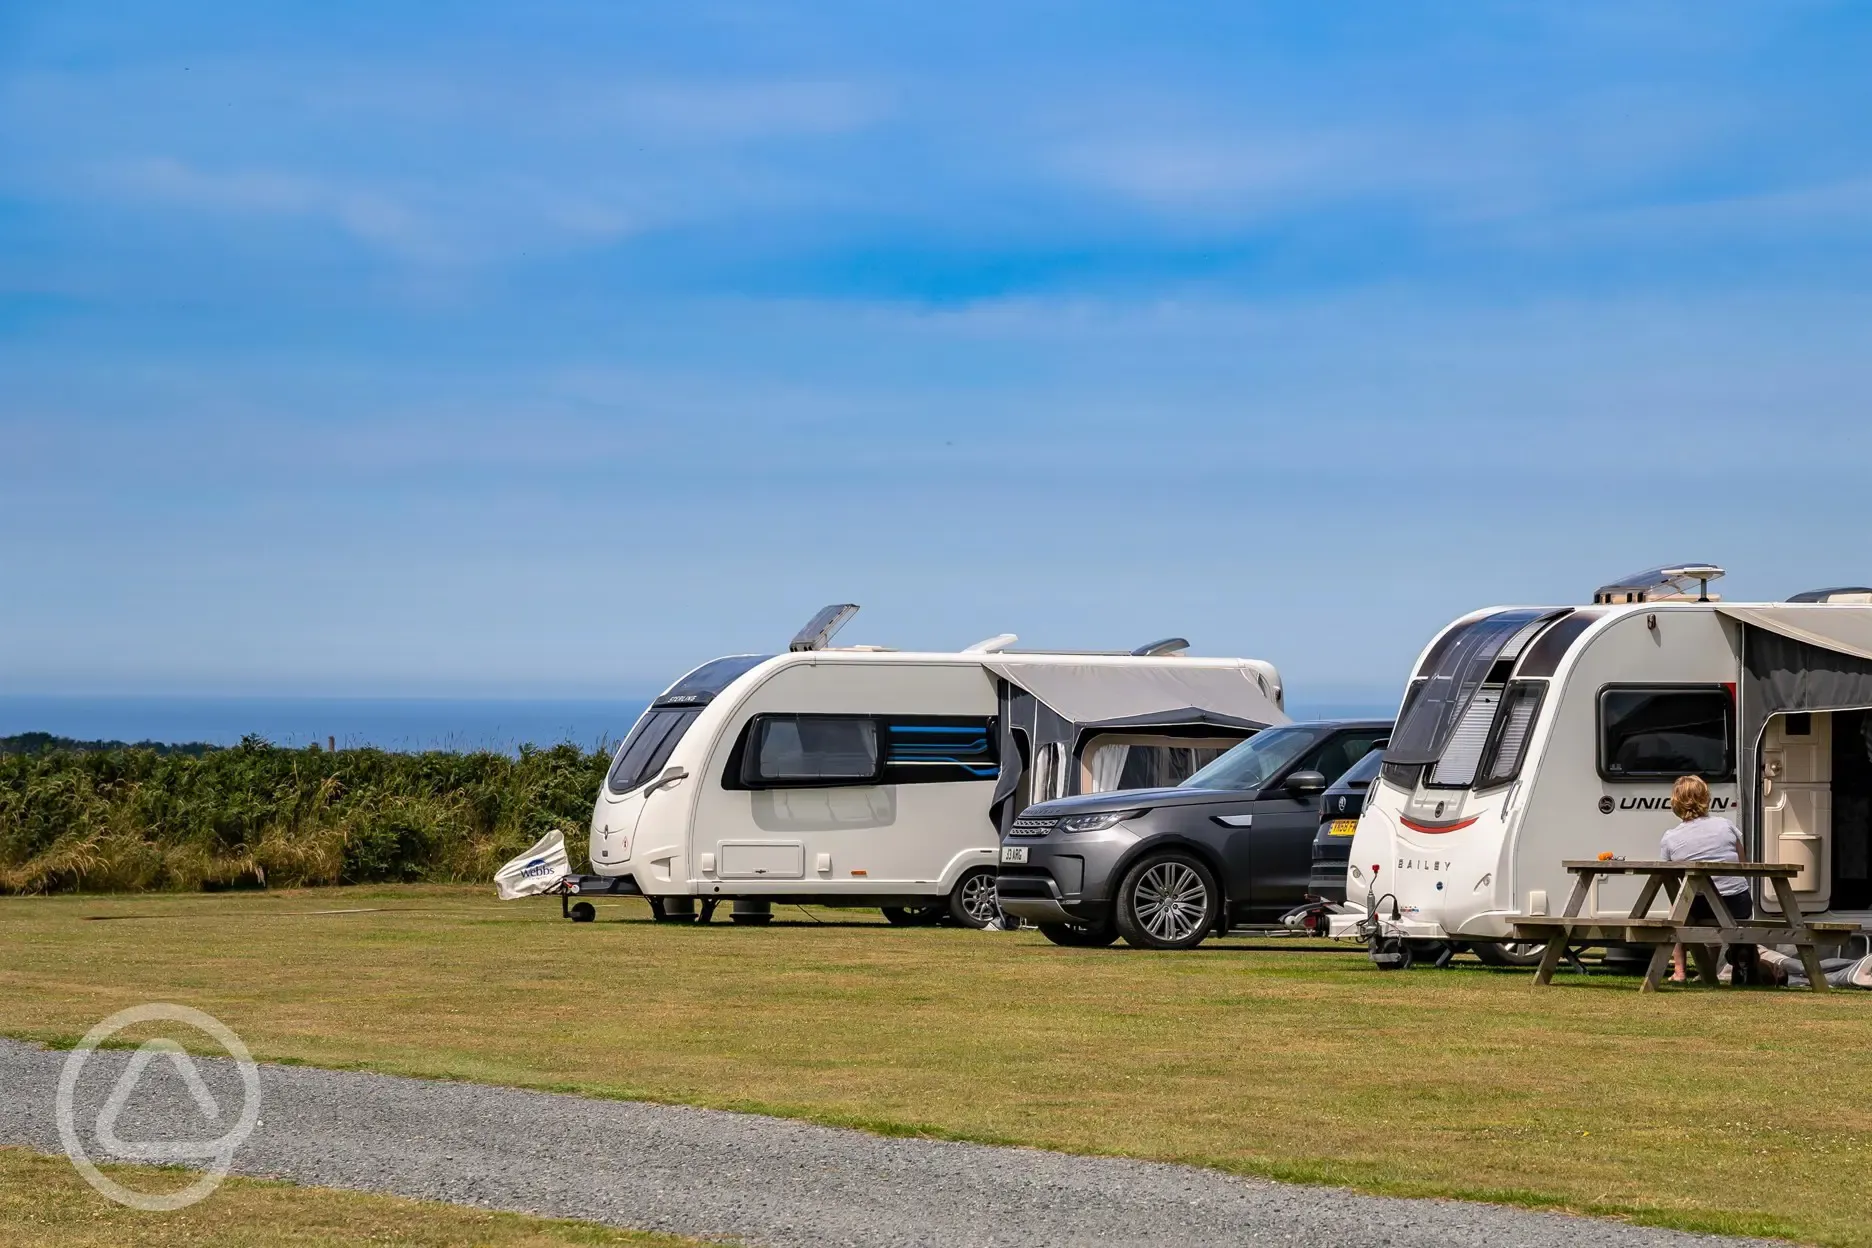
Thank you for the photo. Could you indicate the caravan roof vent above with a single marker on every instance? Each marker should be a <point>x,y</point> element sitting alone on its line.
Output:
<point>1840,593</point>
<point>993,645</point>
<point>819,629</point>
<point>1670,583</point>
<point>1169,645</point>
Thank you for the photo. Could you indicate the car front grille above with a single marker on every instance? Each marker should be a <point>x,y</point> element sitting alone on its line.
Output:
<point>1033,827</point>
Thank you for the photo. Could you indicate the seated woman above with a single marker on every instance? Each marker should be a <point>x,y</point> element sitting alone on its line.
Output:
<point>1703,837</point>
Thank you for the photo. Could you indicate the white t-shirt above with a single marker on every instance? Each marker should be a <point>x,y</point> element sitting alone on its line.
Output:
<point>1709,839</point>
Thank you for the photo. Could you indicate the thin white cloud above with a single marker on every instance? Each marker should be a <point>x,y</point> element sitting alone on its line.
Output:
<point>366,213</point>
<point>418,222</point>
<point>1184,157</point>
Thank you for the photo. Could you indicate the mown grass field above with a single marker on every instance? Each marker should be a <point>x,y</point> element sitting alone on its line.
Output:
<point>43,1201</point>
<point>1732,1111</point>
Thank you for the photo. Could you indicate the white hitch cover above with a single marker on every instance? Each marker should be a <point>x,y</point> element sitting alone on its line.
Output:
<point>535,871</point>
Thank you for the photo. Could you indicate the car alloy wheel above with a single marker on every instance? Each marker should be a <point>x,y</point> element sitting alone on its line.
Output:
<point>1168,902</point>
<point>974,903</point>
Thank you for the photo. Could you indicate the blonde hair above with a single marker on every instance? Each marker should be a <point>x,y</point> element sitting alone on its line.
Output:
<point>1690,798</point>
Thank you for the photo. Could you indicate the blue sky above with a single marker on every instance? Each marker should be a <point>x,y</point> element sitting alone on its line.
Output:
<point>544,349</point>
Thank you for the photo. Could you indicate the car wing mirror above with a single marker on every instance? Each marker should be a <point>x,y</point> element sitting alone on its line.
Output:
<point>1306,783</point>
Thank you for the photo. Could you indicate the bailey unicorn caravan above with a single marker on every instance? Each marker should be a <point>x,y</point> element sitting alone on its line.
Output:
<point>1531,735</point>
<point>867,777</point>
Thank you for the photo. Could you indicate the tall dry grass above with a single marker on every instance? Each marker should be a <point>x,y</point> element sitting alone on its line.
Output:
<point>132,818</point>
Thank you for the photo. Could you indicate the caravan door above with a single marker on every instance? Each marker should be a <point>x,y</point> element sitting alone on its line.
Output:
<point>1797,804</point>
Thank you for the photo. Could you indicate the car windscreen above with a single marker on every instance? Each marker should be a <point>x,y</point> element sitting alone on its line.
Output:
<point>1450,678</point>
<point>1250,765</point>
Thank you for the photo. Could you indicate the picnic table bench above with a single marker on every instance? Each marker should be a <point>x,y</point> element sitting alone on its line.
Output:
<point>1682,882</point>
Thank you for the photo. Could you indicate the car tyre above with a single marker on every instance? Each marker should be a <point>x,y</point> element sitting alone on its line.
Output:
<point>1081,935</point>
<point>1168,901</point>
<point>974,903</point>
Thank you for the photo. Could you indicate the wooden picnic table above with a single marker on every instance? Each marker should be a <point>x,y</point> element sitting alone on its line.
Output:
<point>1682,882</point>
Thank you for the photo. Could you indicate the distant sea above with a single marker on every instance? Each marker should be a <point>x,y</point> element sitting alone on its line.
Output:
<point>500,724</point>
<point>410,724</point>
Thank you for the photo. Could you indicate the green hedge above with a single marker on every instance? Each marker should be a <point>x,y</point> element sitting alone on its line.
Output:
<point>127,818</point>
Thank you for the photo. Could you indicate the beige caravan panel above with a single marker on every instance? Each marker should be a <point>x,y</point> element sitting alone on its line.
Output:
<point>760,860</point>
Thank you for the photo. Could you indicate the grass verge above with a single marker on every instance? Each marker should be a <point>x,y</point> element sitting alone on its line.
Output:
<point>43,1201</point>
<point>1737,1112</point>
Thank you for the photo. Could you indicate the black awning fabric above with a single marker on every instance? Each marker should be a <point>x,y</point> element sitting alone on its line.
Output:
<point>1779,675</point>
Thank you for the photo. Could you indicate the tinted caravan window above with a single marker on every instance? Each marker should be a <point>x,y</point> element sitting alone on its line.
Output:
<point>710,679</point>
<point>649,746</point>
<point>1453,675</point>
<point>807,750</point>
<point>651,742</point>
<point>1660,733</point>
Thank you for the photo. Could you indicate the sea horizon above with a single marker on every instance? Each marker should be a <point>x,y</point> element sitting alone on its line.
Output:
<point>405,724</point>
<point>400,723</point>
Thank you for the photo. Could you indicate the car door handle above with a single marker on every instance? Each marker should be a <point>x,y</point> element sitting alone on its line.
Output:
<point>667,778</point>
<point>1234,821</point>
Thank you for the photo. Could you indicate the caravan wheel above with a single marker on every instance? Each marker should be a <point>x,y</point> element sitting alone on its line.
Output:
<point>974,902</point>
<point>1509,953</point>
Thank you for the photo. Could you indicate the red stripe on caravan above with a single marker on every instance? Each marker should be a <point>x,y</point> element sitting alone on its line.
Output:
<point>1436,828</point>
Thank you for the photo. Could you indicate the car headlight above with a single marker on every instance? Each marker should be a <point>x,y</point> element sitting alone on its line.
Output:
<point>1096,823</point>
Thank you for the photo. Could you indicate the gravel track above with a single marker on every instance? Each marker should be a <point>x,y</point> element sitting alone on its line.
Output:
<point>761,1180</point>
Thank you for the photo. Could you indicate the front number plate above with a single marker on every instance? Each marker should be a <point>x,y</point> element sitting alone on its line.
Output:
<point>1013,853</point>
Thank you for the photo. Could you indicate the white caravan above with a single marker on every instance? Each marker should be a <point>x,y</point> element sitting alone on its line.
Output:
<point>867,777</point>
<point>1530,735</point>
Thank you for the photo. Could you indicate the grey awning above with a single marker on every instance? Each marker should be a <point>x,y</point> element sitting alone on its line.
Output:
<point>1795,658</point>
<point>1845,629</point>
<point>1091,693</point>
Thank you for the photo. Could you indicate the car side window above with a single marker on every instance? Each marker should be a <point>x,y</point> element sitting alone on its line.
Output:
<point>1336,756</point>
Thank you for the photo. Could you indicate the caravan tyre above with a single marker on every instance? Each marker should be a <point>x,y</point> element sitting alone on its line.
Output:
<point>1508,953</point>
<point>1168,901</point>
<point>1081,935</point>
<point>672,909</point>
<point>974,903</point>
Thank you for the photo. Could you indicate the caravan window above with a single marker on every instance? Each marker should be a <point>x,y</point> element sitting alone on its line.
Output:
<point>1661,732</point>
<point>1512,728</point>
<point>799,751</point>
<point>711,678</point>
<point>1452,676</point>
<point>649,746</point>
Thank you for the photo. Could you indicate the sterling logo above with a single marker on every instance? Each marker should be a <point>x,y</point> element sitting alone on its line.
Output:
<point>218,1152</point>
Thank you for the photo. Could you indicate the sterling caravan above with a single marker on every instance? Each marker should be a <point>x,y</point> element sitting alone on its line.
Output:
<point>1531,735</point>
<point>868,777</point>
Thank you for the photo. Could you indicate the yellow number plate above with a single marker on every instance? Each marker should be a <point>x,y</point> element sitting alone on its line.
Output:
<point>1342,827</point>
